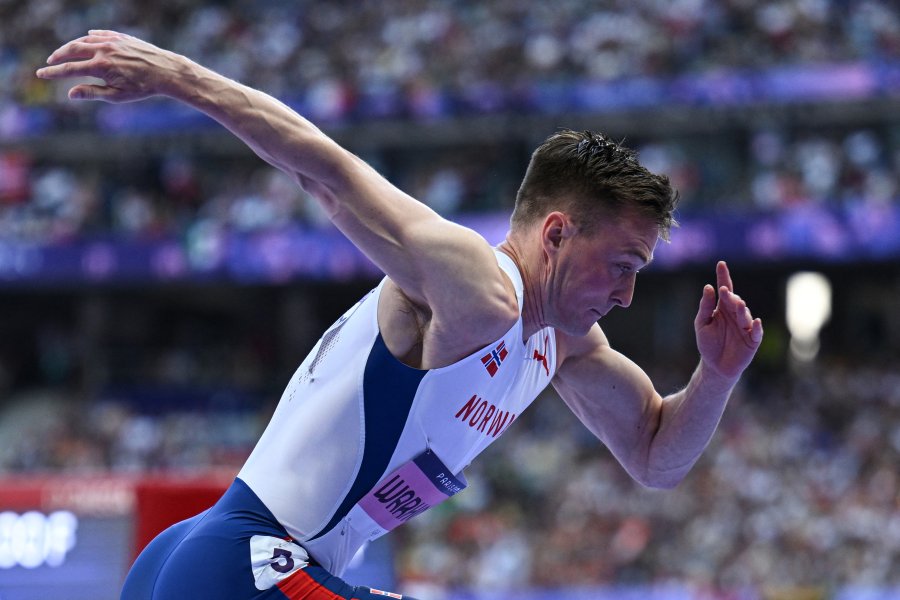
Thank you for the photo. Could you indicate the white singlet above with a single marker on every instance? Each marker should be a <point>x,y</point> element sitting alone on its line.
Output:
<point>361,443</point>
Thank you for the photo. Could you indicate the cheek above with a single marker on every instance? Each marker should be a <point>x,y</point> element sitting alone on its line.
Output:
<point>602,283</point>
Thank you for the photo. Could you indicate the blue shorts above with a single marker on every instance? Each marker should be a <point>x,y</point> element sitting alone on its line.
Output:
<point>214,556</point>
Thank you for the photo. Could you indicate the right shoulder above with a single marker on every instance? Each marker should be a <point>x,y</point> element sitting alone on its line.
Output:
<point>460,279</point>
<point>464,311</point>
<point>493,308</point>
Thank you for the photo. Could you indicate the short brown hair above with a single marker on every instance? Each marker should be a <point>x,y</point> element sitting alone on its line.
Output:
<point>591,177</point>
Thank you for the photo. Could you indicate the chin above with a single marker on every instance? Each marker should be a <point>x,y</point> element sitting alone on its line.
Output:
<point>573,326</point>
<point>577,330</point>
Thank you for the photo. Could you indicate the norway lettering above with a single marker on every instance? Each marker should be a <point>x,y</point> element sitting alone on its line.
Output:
<point>485,417</point>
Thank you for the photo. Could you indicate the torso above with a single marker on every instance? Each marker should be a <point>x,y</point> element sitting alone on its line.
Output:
<point>354,418</point>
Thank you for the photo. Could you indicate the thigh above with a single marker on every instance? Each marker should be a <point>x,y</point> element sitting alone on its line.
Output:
<point>143,575</point>
<point>235,551</point>
<point>207,557</point>
<point>209,566</point>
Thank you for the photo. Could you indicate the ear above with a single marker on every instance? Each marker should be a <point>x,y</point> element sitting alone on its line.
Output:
<point>556,230</point>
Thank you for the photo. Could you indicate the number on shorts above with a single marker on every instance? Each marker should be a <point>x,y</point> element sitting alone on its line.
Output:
<point>288,564</point>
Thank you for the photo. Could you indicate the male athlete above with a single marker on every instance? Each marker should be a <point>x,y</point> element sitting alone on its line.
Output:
<point>424,372</point>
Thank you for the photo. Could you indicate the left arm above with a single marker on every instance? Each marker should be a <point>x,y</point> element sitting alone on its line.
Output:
<point>657,440</point>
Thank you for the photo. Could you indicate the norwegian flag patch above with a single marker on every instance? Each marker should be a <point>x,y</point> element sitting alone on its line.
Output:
<point>493,359</point>
<point>388,594</point>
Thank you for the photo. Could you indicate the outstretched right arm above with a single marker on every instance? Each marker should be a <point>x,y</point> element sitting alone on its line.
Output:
<point>434,262</point>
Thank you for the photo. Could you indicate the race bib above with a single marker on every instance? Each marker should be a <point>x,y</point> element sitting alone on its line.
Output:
<point>406,492</point>
<point>273,559</point>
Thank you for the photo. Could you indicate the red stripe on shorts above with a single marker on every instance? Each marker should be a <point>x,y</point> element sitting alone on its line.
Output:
<point>300,586</point>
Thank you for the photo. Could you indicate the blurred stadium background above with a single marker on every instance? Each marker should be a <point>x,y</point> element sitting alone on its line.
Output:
<point>159,284</point>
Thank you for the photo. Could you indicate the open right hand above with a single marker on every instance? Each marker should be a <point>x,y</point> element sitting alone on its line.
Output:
<point>131,69</point>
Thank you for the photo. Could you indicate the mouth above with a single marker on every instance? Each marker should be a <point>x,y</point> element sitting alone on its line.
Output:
<point>599,314</point>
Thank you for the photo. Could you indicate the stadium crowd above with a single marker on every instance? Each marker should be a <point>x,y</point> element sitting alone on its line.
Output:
<point>338,54</point>
<point>186,195</point>
<point>416,47</point>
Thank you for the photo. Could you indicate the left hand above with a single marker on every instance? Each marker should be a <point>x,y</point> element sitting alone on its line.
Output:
<point>727,334</point>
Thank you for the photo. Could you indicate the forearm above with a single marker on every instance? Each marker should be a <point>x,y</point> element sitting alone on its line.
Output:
<point>271,129</point>
<point>687,421</point>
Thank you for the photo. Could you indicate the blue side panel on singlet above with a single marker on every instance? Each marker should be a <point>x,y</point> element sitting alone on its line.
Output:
<point>389,388</point>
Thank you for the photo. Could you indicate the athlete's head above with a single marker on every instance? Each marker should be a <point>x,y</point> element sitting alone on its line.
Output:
<point>592,179</point>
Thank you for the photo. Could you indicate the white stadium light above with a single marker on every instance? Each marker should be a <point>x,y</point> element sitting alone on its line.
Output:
<point>808,309</point>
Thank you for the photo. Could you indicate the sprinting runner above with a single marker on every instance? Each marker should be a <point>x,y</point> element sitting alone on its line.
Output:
<point>414,381</point>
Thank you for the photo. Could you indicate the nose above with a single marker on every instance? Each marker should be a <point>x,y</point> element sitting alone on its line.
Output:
<point>625,293</point>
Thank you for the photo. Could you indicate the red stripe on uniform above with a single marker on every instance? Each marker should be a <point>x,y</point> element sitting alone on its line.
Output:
<point>300,586</point>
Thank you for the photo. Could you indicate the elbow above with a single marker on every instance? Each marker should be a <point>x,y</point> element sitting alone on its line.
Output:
<point>661,470</point>
<point>667,479</point>
<point>661,483</point>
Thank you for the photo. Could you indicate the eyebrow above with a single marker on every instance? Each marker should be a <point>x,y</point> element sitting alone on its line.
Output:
<point>646,260</point>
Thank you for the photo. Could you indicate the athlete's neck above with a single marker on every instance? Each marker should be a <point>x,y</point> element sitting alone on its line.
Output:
<point>532,296</point>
